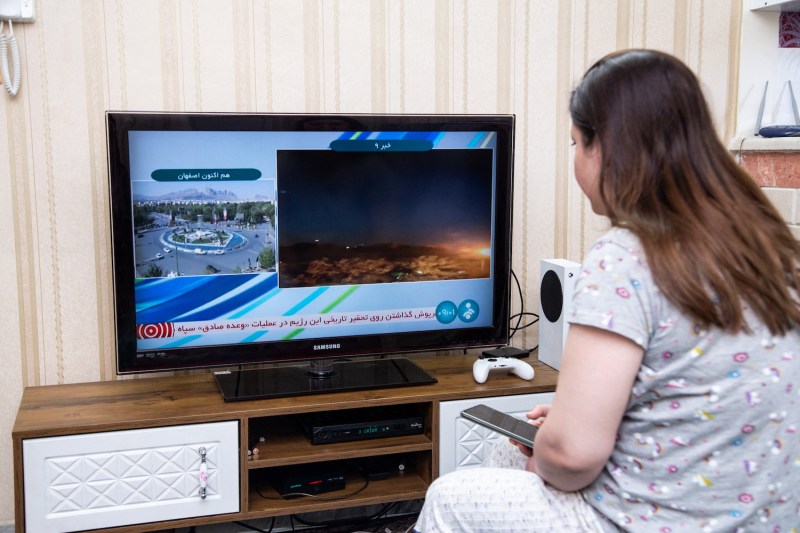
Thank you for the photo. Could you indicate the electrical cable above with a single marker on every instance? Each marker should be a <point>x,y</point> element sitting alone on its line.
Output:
<point>354,521</point>
<point>528,324</point>
<point>253,528</point>
<point>386,519</point>
<point>10,83</point>
<point>519,326</point>
<point>373,525</point>
<point>521,303</point>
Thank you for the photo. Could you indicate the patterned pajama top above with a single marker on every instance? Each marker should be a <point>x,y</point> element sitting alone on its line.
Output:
<point>711,437</point>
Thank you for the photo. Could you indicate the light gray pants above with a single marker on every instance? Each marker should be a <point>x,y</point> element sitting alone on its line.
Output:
<point>501,496</point>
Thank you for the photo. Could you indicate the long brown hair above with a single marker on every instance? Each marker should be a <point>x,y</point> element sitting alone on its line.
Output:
<point>713,241</point>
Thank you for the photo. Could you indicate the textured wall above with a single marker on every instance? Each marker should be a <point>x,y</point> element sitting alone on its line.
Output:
<point>82,57</point>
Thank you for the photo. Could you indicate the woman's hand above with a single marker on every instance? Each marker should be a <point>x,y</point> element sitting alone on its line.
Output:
<point>530,466</point>
<point>522,447</point>
<point>538,414</point>
<point>536,417</point>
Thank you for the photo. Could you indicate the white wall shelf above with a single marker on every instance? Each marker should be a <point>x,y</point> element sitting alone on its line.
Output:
<point>754,143</point>
<point>774,5</point>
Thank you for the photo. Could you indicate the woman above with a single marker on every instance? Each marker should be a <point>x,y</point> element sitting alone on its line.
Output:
<point>678,400</point>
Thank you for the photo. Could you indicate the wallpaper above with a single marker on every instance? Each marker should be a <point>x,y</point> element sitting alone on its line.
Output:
<point>83,57</point>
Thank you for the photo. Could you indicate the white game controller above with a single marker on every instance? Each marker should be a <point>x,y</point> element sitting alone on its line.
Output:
<point>482,367</point>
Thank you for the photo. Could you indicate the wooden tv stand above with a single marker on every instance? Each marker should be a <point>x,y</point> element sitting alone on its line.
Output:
<point>112,425</point>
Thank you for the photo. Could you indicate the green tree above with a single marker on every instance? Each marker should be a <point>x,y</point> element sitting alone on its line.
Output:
<point>153,271</point>
<point>141,217</point>
<point>266,258</point>
<point>269,212</point>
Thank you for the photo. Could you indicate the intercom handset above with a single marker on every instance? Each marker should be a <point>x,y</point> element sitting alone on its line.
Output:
<point>10,80</point>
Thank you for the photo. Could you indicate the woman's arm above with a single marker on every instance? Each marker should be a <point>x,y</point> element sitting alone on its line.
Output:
<point>598,370</point>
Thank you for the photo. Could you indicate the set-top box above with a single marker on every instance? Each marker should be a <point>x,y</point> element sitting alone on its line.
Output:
<point>362,424</point>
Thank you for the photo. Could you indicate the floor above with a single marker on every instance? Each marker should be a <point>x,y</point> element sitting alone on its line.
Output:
<point>395,518</point>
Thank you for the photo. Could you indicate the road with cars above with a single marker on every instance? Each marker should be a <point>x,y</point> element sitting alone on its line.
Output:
<point>153,246</point>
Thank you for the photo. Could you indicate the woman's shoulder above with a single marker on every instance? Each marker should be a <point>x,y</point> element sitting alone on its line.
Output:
<point>620,240</point>
<point>618,252</point>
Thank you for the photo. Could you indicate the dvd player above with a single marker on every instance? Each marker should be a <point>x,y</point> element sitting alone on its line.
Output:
<point>361,424</point>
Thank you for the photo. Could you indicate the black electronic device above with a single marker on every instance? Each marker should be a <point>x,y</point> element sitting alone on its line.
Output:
<point>502,423</point>
<point>383,466</point>
<point>785,130</point>
<point>362,424</point>
<point>293,380</point>
<point>505,351</point>
<point>308,479</point>
<point>250,238</point>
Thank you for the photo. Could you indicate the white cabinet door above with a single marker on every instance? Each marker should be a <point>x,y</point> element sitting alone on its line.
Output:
<point>463,443</point>
<point>94,480</point>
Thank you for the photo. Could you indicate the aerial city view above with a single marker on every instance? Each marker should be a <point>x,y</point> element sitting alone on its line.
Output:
<point>195,231</point>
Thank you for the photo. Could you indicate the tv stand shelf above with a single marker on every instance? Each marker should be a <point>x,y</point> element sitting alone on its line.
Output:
<point>131,410</point>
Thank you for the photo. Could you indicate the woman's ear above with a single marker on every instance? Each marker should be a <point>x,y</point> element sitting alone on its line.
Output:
<point>593,150</point>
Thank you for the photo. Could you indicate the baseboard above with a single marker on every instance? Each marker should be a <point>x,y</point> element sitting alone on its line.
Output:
<point>283,524</point>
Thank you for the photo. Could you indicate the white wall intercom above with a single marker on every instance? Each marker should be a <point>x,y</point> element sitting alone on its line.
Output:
<point>12,11</point>
<point>17,10</point>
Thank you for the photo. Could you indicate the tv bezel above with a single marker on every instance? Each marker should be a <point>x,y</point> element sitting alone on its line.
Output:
<point>130,360</point>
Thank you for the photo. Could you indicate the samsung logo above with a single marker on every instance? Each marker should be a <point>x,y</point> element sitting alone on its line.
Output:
<point>327,347</point>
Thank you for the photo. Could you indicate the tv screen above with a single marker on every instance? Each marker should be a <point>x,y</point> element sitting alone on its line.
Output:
<point>254,238</point>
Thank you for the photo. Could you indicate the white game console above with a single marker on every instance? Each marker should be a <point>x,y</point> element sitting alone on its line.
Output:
<point>558,277</point>
<point>482,368</point>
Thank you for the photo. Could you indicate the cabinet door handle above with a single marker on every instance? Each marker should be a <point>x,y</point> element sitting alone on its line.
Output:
<point>203,473</point>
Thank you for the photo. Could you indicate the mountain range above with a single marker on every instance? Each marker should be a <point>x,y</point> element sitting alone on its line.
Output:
<point>195,195</point>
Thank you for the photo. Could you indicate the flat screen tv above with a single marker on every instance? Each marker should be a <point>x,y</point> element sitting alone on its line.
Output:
<point>241,239</point>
